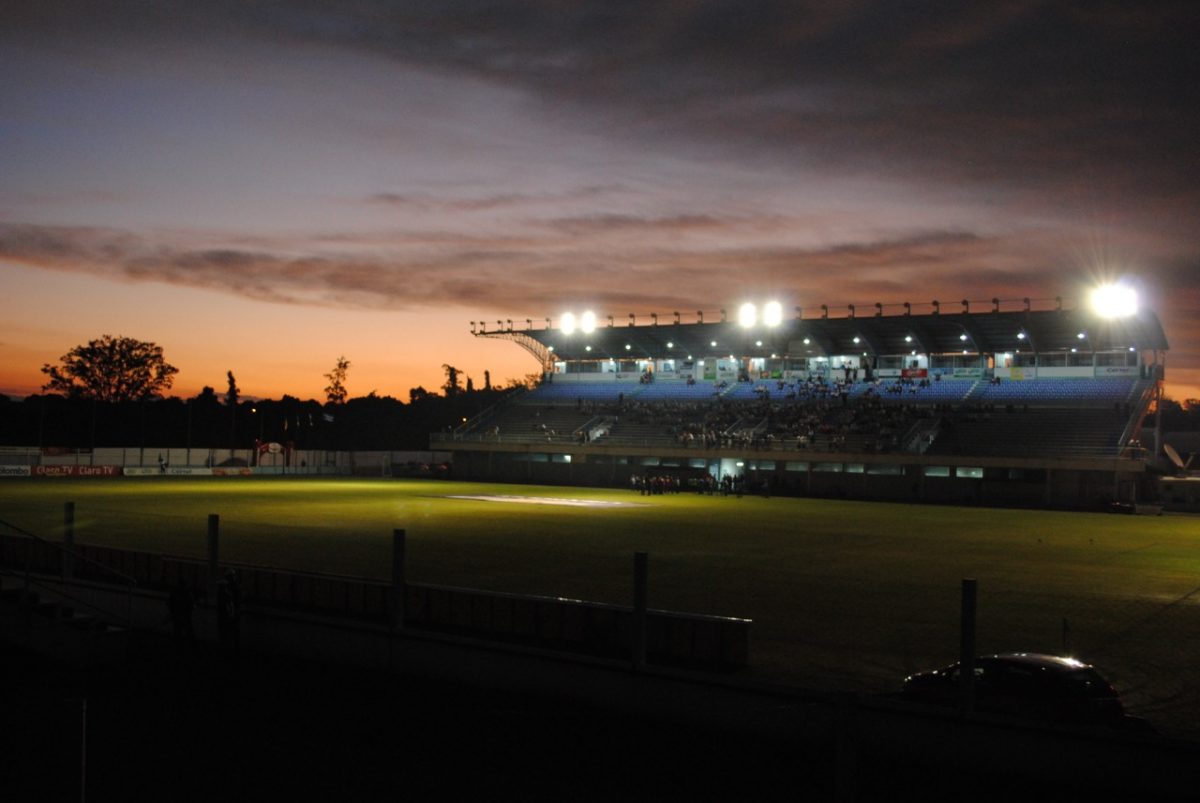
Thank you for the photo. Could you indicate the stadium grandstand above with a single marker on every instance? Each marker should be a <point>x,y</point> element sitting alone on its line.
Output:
<point>999,403</point>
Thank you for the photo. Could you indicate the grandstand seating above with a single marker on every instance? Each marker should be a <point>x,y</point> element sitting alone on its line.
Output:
<point>571,392</point>
<point>1033,432</point>
<point>519,424</point>
<point>1087,391</point>
<point>943,391</point>
<point>1044,416</point>
<point>678,390</point>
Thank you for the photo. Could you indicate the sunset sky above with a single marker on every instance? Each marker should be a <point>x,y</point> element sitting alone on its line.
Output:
<point>265,186</point>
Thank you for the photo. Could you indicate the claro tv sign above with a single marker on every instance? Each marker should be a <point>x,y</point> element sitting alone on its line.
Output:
<point>74,471</point>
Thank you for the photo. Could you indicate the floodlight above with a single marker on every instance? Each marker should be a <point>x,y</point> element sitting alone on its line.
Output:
<point>1020,335</point>
<point>908,338</point>
<point>1114,301</point>
<point>713,344</point>
<point>758,343</point>
<point>587,348</point>
<point>587,322</point>
<point>670,345</point>
<point>857,339</point>
<point>747,315</point>
<point>628,347</point>
<point>807,341</point>
<point>1081,335</point>
<point>566,323</point>
<point>772,314</point>
<point>962,337</point>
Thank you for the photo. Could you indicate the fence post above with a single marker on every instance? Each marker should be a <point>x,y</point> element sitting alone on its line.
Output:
<point>68,558</point>
<point>640,574</point>
<point>398,580</point>
<point>214,529</point>
<point>966,654</point>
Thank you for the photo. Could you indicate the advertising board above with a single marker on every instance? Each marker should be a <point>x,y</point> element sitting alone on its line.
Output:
<point>76,471</point>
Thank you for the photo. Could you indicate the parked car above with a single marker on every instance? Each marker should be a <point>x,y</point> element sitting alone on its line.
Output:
<point>1048,688</point>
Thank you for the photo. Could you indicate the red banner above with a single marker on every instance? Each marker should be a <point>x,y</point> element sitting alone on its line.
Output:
<point>914,373</point>
<point>76,471</point>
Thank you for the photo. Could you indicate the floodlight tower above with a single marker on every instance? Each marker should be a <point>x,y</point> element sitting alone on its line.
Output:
<point>772,314</point>
<point>1111,301</point>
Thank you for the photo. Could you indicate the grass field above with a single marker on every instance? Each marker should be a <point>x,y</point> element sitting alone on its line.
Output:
<point>844,595</point>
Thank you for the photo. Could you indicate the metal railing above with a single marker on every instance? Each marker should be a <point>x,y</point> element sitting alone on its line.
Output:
<point>67,559</point>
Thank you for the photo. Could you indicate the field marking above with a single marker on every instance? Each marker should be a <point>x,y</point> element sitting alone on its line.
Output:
<point>546,500</point>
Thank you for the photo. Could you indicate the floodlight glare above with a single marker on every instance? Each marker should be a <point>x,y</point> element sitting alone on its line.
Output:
<point>772,314</point>
<point>587,322</point>
<point>962,337</point>
<point>567,323</point>
<point>713,344</point>
<point>747,315</point>
<point>587,348</point>
<point>1114,301</point>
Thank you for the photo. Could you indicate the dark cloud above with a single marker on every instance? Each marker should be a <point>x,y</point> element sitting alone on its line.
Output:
<point>624,224</point>
<point>540,274</point>
<point>423,202</point>
<point>1031,100</point>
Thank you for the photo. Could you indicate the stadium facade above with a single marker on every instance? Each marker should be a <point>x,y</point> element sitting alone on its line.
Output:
<point>983,405</point>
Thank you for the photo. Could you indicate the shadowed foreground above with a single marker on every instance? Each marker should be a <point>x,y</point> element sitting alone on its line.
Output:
<point>210,727</point>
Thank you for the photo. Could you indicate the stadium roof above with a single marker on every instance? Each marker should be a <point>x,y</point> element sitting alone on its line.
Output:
<point>990,332</point>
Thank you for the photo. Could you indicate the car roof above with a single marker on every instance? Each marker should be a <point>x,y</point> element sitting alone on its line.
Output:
<point>1040,660</point>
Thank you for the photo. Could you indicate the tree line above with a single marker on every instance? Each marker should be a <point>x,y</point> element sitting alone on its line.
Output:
<point>111,392</point>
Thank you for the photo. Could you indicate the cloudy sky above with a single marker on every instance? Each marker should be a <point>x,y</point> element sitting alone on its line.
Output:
<point>265,186</point>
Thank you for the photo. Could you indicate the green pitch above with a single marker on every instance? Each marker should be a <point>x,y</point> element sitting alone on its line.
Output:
<point>846,595</point>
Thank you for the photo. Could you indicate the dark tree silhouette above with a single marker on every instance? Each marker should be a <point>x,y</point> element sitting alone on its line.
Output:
<point>231,399</point>
<point>451,387</point>
<point>111,369</point>
<point>335,392</point>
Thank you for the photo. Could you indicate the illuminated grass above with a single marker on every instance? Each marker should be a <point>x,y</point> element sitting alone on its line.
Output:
<point>843,594</point>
